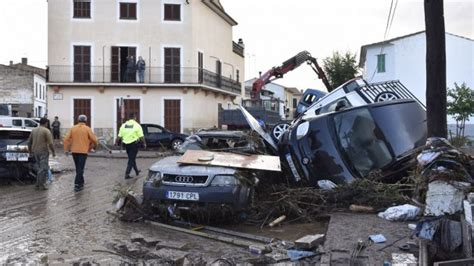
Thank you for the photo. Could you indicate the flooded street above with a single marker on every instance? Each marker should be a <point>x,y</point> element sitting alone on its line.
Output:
<point>59,225</point>
<point>63,226</point>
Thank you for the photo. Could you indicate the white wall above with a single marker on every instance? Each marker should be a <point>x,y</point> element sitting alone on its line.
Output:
<point>39,96</point>
<point>406,61</point>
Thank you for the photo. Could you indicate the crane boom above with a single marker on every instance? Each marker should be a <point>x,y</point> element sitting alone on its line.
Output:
<point>287,66</point>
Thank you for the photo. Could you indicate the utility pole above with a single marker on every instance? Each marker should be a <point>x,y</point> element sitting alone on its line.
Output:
<point>436,95</point>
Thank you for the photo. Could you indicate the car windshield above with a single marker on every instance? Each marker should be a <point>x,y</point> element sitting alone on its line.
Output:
<point>403,126</point>
<point>362,141</point>
<point>215,143</point>
<point>13,137</point>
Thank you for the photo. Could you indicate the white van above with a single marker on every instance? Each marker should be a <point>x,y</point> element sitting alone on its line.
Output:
<point>18,122</point>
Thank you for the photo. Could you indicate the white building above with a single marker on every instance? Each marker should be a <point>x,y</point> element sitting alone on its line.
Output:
<point>192,64</point>
<point>404,59</point>
<point>271,91</point>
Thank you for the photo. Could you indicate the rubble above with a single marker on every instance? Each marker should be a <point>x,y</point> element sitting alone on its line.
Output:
<point>309,242</point>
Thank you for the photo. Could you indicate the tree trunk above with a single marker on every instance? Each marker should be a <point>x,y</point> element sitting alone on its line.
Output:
<point>436,94</point>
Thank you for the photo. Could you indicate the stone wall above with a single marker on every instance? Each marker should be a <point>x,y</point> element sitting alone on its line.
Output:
<point>16,88</point>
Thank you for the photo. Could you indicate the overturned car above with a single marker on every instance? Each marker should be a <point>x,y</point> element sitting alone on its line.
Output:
<point>175,190</point>
<point>336,147</point>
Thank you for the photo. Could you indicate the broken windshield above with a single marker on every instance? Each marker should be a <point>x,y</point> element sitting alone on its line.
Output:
<point>362,141</point>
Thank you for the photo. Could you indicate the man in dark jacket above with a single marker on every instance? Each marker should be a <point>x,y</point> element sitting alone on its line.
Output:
<point>141,69</point>
<point>131,70</point>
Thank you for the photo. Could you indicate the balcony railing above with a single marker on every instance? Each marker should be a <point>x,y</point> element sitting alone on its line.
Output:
<point>152,75</point>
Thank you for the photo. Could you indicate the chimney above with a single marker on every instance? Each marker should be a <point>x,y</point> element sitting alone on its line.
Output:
<point>11,63</point>
<point>24,61</point>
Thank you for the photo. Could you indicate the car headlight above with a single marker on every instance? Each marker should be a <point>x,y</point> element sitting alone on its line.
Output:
<point>302,130</point>
<point>154,176</point>
<point>224,180</point>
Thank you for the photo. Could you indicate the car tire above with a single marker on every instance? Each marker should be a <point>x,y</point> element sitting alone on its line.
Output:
<point>278,130</point>
<point>386,96</point>
<point>176,143</point>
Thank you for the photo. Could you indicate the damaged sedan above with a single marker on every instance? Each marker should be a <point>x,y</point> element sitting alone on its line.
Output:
<point>174,189</point>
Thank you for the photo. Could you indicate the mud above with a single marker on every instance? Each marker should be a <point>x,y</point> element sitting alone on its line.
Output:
<point>61,226</point>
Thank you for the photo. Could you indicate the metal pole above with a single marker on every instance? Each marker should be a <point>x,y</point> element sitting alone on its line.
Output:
<point>149,64</point>
<point>103,63</point>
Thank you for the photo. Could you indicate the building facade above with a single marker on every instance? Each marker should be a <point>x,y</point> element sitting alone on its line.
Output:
<point>22,90</point>
<point>191,63</point>
<point>404,59</point>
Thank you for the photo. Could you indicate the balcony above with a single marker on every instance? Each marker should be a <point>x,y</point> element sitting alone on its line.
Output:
<point>156,76</point>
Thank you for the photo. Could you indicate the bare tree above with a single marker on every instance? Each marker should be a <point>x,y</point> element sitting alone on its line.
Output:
<point>435,69</point>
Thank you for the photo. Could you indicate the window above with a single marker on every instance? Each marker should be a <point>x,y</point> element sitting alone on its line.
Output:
<point>82,63</point>
<point>82,8</point>
<point>17,122</point>
<point>219,73</point>
<point>295,103</point>
<point>237,75</point>
<point>200,67</point>
<point>172,12</point>
<point>30,123</point>
<point>154,130</point>
<point>172,65</point>
<point>128,11</point>
<point>381,63</point>
<point>36,90</point>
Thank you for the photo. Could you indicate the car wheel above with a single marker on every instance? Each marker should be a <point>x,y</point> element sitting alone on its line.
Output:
<point>278,130</point>
<point>386,96</point>
<point>176,143</point>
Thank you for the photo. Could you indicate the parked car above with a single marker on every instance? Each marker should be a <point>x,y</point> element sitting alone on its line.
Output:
<point>172,188</point>
<point>15,160</point>
<point>158,136</point>
<point>336,147</point>
<point>18,122</point>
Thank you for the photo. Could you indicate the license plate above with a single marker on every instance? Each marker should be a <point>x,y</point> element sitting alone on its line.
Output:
<point>293,167</point>
<point>16,156</point>
<point>192,196</point>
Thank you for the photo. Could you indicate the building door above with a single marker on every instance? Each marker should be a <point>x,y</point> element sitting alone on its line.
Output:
<point>200,67</point>
<point>82,63</point>
<point>172,65</point>
<point>119,63</point>
<point>82,107</point>
<point>219,74</point>
<point>126,107</point>
<point>173,115</point>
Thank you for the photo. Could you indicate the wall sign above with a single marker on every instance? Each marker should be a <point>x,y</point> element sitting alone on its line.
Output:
<point>57,96</point>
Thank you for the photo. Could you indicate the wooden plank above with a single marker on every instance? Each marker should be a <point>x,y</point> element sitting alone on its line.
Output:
<point>225,159</point>
<point>460,262</point>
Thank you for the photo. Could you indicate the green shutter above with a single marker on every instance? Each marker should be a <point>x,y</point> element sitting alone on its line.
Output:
<point>381,63</point>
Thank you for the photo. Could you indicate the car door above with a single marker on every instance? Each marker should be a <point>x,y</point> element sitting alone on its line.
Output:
<point>157,135</point>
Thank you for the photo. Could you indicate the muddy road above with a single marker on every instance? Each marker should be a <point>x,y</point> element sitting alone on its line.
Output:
<point>62,226</point>
<point>59,225</point>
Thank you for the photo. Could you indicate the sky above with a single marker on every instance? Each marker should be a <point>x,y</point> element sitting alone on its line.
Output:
<point>272,30</point>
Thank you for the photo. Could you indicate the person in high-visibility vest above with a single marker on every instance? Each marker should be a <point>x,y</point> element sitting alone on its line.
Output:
<point>130,134</point>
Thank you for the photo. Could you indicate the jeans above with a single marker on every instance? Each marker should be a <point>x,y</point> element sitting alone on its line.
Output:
<point>42,167</point>
<point>132,151</point>
<point>141,76</point>
<point>80,163</point>
<point>56,133</point>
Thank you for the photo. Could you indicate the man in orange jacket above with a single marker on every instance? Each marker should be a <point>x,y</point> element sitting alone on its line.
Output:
<point>79,140</point>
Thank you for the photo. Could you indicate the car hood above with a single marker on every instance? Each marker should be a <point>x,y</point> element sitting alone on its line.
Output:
<point>253,123</point>
<point>170,165</point>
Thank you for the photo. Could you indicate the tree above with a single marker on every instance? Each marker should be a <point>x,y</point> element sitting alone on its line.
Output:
<point>435,69</point>
<point>460,106</point>
<point>339,68</point>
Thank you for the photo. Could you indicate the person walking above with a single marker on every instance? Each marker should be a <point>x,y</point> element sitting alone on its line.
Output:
<point>130,134</point>
<point>56,125</point>
<point>78,141</point>
<point>141,69</point>
<point>40,143</point>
